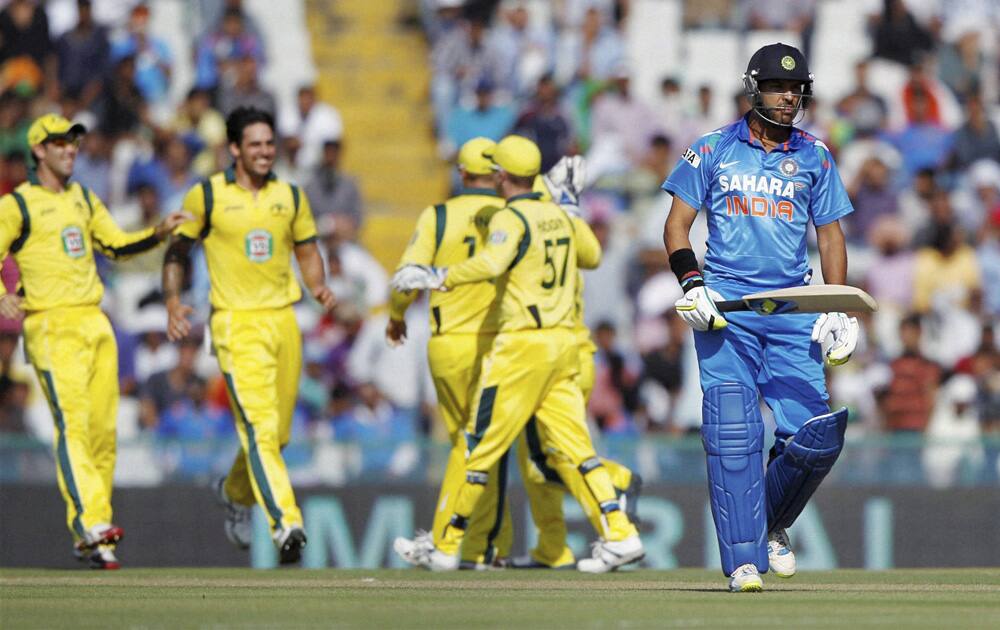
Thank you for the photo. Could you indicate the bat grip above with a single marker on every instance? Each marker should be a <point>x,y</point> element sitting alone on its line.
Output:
<point>728,306</point>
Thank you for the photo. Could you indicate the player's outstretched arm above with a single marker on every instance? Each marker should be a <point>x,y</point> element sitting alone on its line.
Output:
<point>175,265</point>
<point>314,275</point>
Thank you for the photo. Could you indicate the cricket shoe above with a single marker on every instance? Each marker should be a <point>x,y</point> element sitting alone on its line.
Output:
<point>289,541</point>
<point>412,550</point>
<point>437,560</point>
<point>609,555</point>
<point>103,557</point>
<point>528,562</point>
<point>629,501</point>
<point>102,534</point>
<point>746,579</point>
<point>239,518</point>
<point>779,554</point>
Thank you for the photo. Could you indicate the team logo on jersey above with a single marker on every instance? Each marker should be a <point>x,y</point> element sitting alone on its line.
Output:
<point>259,246</point>
<point>788,63</point>
<point>692,158</point>
<point>73,243</point>
<point>788,167</point>
<point>278,209</point>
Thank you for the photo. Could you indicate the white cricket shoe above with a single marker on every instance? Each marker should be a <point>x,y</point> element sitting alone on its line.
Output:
<point>609,555</point>
<point>438,560</point>
<point>779,554</point>
<point>239,518</point>
<point>746,579</point>
<point>413,550</point>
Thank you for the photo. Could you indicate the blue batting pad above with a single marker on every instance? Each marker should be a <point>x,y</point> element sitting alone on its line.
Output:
<point>733,435</point>
<point>800,465</point>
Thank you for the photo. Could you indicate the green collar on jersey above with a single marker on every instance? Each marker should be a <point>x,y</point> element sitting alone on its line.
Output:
<point>532,195</point>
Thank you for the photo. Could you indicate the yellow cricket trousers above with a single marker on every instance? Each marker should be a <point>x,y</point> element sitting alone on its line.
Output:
<point>455,367</point>
<point>74,353</point>
<point>260,355</point>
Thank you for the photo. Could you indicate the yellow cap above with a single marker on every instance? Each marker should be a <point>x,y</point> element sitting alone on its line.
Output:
<point>52,126</point>
<point>472,158</point>
<point>517,155</point>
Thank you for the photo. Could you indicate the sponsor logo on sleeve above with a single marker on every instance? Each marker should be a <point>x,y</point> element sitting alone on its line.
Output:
<point>692,158</point>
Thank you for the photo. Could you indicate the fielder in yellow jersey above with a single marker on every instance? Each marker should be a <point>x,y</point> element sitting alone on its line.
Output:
<point>533,366</point>
<point>462,329</point>
<point>251,224</point>
<point>52,228</point>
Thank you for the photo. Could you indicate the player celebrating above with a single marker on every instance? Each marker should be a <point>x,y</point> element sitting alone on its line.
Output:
<point>533,364</point>
<point>52,228</point>
<point>761,181</point>
<point>250,224</point>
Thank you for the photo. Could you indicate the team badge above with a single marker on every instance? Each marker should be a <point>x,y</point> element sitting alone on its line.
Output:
<point>73,244</point>
<point>278,209</point>
<point>788,63</point>
<point>788,167</point>
<point>259,246</point>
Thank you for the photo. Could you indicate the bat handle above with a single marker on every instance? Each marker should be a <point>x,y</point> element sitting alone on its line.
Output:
<point>728,306</point>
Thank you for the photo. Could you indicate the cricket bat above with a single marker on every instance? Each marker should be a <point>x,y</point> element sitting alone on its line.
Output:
<point>814,298</point>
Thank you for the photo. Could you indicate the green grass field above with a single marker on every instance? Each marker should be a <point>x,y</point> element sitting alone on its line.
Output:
<point>229,598</point>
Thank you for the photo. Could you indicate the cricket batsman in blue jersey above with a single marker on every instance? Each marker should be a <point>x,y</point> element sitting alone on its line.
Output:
<point>761,181</point>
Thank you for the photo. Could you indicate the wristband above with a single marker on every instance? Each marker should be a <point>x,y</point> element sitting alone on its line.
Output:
<point>684,264</point>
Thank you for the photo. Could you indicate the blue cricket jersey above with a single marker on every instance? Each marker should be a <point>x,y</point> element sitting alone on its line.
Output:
<point>759,203</point>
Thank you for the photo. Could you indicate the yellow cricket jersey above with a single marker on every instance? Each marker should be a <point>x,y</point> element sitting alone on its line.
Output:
<point>53,235</point>
<point>532,251</point>
<point>447,234</point>
<point>249,240</point>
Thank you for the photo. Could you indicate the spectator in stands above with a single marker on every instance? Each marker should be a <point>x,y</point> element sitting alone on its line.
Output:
<point>26,49</point>
<point>915,199</point>
<point>863,110</point>
<point>924,142</point>
<point>946,270</point>
<point>168,388</point>
<point>663,367</point>
<point>308,126</point>
<point>333,192</point>
<point>976,139</point>
<point>988,253</point>
<point>241,88</point>
<point>621,128</point>
<point>485,118</point>
<point>93,163</point>
<point>153,57</point>
<point>121,108</point>
<point>796,16</point>
<point>592,52</point>
<point>953,433</point>
<point>525,52</point>
<point>352,272</point>
<point>890,273</point>
<point>84,54</point>
<point>153,354</point>
<point>545,121</point>
<point>314,386</point>
<point>220,52</point>
<point>14,171</point>
<point>669,106</point>
<point>197,117</point>
<point>912,391</point>
<point>14,384</point>
<point>897,35</point>
<point>873,196</point>
<point>169,170</point>
<point>977,195</point>
<point>961,62</point>
<point>384,433</point>
<point>614,397</point>
<point>214,12</point>
<point>984,367</point>
<point>14,123</point>
<point>713,14</point>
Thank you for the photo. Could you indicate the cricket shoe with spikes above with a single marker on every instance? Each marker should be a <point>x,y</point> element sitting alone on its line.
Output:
<point>413,549</point>
<point>779,554</point>
<point>746,579</point>
<point>102,534</point>
<point>609,555</point>
<point>239,518</point>
<point>437,560</point>
<point>289,541</point>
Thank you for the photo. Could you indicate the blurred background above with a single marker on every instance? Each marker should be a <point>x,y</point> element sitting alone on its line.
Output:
<point>372,99</point>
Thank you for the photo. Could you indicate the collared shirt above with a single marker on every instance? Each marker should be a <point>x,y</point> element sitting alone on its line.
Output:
<point>53,235</point>
<point>758,203</point>
<point>249,239</point>
<point>446,234</point>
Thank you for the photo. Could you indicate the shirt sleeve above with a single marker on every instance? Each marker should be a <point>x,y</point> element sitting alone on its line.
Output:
<point>502,247</point>
<point>194,204</point>
<point>303,225</point>
<point>10,228</point>
<point>111,240</point>
<point>829,200</point>
<point>692,175</point>
<point>588,248</point>
<point>419,251</point>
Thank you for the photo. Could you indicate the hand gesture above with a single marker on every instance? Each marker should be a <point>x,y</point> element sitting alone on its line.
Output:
<point>170,222</point>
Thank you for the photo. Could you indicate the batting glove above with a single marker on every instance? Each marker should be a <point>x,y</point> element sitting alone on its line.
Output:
<point>698,309</point>
<point>565,182</point>
<point>419,277</point>
<point>844,332</point>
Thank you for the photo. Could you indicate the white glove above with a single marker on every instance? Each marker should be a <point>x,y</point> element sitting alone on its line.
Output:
<point>697,308</point>
<point>844,331</point>
<point>419,277</point>
<point>565,182</point>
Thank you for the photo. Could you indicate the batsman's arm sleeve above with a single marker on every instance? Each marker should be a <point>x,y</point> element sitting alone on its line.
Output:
<point>588,248</point>
<point>507,238</point>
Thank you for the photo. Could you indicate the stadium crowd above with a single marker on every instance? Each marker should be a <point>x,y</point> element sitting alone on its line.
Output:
<point>922,165</point>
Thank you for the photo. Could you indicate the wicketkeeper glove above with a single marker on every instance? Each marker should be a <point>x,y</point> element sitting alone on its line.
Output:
<point>565,182</point>
<point>419,277</point>
<point>844,331</point>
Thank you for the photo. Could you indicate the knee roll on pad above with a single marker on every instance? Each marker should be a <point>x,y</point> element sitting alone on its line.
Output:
<point>732,433</point>
<point>801,464</point>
